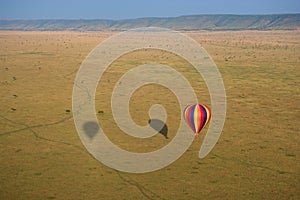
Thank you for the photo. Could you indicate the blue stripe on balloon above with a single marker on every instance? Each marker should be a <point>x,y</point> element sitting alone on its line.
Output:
<point>205,116</point>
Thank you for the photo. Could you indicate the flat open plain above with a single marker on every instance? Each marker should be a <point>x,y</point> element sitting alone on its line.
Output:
<point>257,156</point>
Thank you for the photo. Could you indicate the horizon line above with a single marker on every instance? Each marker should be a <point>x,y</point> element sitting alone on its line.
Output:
<point>149,17</point>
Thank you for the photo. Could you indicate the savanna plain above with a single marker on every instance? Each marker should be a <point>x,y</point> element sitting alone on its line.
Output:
<point>256,157</point>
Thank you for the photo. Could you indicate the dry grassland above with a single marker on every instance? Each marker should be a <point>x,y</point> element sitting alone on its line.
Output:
<point>257,156</point>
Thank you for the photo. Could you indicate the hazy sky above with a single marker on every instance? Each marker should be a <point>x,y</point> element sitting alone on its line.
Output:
<point>118,9</point>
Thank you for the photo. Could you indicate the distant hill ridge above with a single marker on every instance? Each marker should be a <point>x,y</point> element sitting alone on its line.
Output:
<point>190,22</point>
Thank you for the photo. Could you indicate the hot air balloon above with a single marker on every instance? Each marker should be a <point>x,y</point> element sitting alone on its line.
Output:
<point>197,116</point>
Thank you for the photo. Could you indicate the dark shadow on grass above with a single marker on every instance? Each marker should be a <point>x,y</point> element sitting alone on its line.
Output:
<point>90,129</point>
<point>159,126</point>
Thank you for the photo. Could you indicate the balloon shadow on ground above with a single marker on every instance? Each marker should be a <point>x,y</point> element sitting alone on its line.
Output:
<point>90,129</point>
<point>159,126</point>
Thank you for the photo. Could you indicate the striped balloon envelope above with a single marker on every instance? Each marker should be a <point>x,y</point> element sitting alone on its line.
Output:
<point>197,116</point>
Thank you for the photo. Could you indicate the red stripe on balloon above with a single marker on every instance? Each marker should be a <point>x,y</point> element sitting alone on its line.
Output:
<point>188,117</point>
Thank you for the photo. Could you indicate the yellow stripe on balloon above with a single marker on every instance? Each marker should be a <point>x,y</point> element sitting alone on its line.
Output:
<point>196,117</point>
<point>208,115</point>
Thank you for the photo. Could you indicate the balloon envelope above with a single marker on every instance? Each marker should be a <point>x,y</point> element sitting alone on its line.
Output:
<point>197,117</point>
